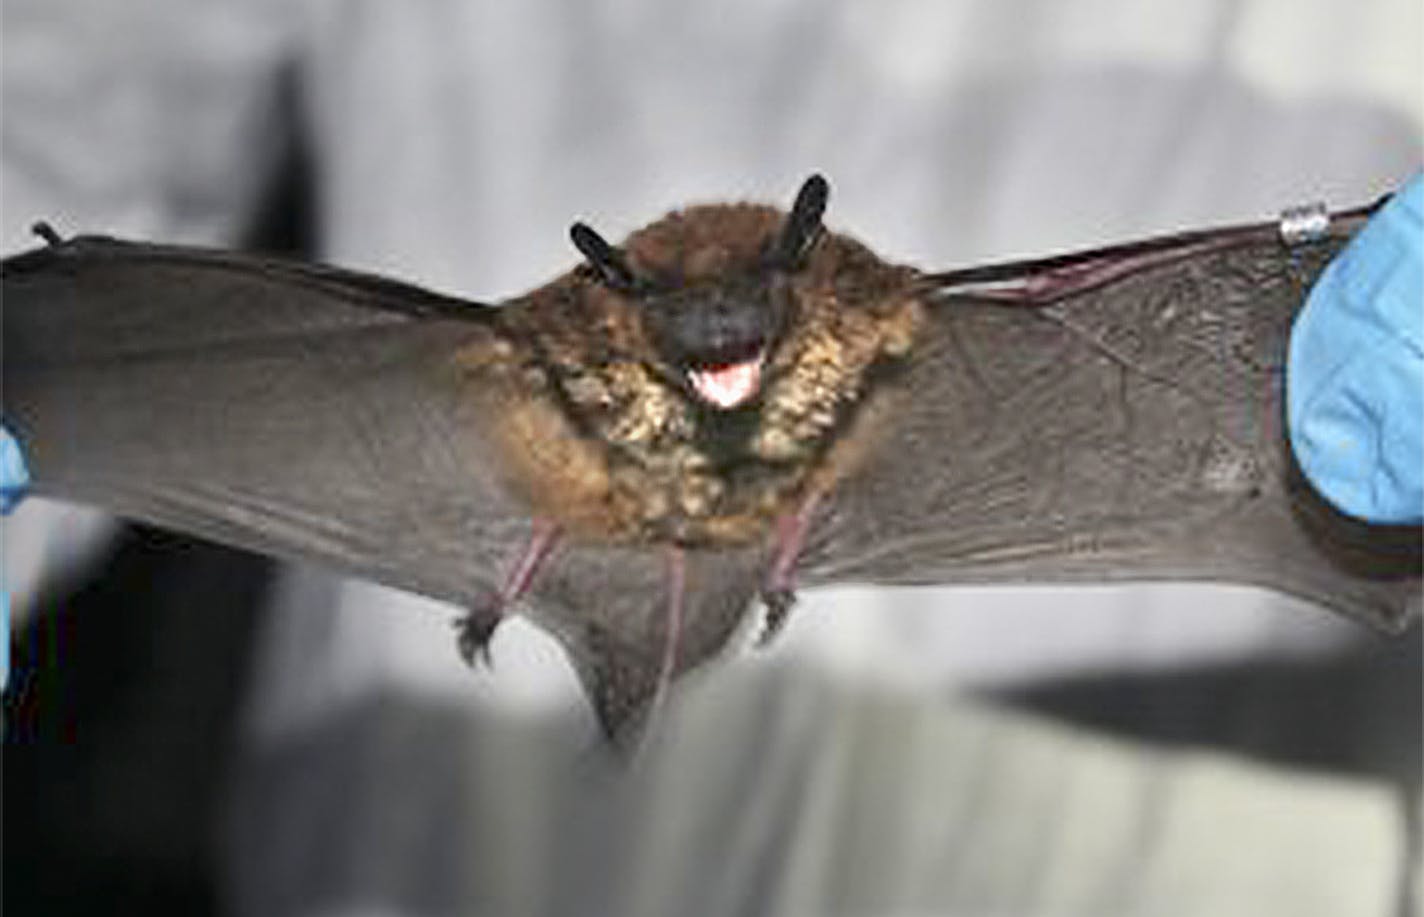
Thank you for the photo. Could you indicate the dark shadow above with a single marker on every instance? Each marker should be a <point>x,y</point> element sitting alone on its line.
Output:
<point>1357,713</point>
<point>119,729</point>
<point>120,716</point>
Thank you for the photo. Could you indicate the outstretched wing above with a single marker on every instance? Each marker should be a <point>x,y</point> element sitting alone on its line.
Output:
<point>317,414</point>
<point>300,411</point>
<point>1112,415</point>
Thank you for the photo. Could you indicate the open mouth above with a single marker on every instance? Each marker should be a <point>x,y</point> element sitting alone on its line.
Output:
<point>728,383</point>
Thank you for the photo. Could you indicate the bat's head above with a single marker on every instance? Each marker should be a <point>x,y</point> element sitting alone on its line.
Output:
<point>714,289</point>
<point>706,374</point>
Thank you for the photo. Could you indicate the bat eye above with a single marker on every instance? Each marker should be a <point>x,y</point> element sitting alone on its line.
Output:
<point>803,226</point>
<point>612,269</point>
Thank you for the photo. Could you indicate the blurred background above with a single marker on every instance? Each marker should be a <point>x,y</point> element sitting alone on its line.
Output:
<point>194,730</point>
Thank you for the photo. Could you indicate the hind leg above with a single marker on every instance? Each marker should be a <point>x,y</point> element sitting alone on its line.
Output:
<point>475,628</point>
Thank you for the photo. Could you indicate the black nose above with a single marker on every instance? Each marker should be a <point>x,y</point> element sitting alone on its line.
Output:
<point>718,335</point>
<point>714,329</point>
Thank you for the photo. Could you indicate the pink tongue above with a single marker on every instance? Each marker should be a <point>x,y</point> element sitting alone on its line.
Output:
<point>730,385</point>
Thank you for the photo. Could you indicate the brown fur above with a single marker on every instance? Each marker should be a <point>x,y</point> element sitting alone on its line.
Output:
<point>598,439</point>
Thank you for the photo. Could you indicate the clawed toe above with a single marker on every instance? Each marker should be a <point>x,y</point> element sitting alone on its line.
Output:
<point>778,606</point>
<point>473,631</point>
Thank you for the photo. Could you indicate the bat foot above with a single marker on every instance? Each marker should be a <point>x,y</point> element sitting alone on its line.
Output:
<point>778,606</point>
<point>473,631</point>
<point>475,628</point>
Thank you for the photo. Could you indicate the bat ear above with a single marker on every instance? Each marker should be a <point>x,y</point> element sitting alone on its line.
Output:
<point>612,268</point>
<point>803,226</point>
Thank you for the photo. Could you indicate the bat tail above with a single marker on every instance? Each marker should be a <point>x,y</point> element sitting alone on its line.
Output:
<point>676,564</point>
<point>628,651</point>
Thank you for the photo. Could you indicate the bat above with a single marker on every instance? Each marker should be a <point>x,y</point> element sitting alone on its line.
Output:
<point>732,403</point>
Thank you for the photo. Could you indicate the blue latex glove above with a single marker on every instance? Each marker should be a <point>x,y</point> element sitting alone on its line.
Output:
<point>14,477</point>
<point>1355,380</point>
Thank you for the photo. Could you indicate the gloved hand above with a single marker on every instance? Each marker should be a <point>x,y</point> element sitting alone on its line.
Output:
<point>1355,377</point>
<point>14,477</point>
